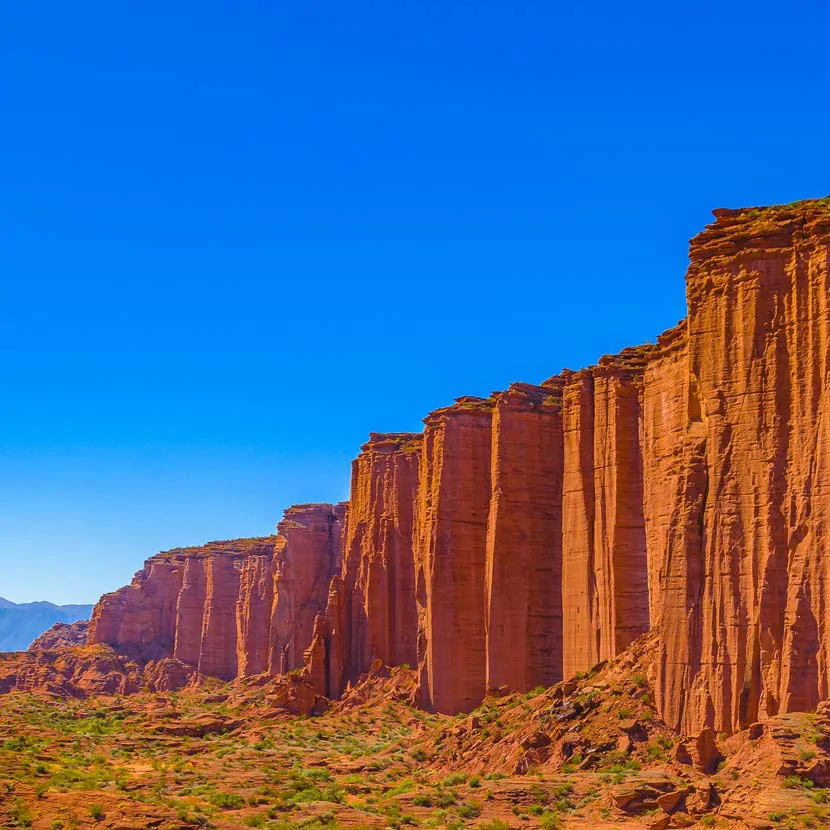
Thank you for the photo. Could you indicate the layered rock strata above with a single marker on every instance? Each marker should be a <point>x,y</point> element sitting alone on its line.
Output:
<point>453,509</point>
<point>665,396</point>
<point>745,601</point>
<point>527,536</point>
<point>308,553</point>
<point>371,613</point>
<point>524,539</point>
<point>229,609</point>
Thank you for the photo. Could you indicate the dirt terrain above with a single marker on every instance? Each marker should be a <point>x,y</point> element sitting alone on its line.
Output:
<point>591,752</point>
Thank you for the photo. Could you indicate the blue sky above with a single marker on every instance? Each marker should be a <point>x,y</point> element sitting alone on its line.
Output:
<point>236,237</point>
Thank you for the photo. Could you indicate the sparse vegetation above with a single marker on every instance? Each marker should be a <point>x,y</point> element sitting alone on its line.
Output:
<point>362,765</point>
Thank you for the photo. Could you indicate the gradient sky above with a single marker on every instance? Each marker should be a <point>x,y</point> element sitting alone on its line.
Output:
<point>236,237</point>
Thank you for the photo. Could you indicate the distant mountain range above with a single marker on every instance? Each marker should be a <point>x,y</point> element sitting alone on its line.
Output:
<point>20,624</point>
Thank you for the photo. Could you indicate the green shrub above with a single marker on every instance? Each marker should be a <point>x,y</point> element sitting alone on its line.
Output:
<point>227,801</point>
<point>21,815</point>
<point>471,810</point>
<point>550,821</point>
<point>454,779</point>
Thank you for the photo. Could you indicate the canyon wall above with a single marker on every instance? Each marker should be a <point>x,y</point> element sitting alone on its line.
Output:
<point>665,396</point>
<point>745,615</point>
<point>453,508</point>
<point>604,565</point>
<point>229,609</point>
<point>524,539</point>
<point>527,536</point>
<point>308,553</point>
<point>371,613</point>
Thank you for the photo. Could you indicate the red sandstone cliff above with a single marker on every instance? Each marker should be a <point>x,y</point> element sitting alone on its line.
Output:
<point>371,613</point>
<point>745,601</point>
<point>527,536</point>
<point>453,509</point>
<point>604,565</point>
<point>233,608</point>
<point>309,553</point>
<point>140,619</point>
<point>665,395</point>
<point>524,539</point>
<point>181,604</point>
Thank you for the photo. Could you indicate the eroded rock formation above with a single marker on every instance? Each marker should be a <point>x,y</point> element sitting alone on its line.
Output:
<point>745,599</point>
<point>528,536</point>
<point>62,635</point>
<point>453,509</point>
<point>524,539</point>
<point>229,609</point>
<point>309,552</point>
<point>605,574</point>
<point>371,613</point>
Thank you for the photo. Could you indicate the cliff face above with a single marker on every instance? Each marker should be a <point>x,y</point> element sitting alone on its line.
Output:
<point>665,397</point>
<point>524,539</point>
<point>527,536</point>
<point>604,570</point>
<point>371,612</point>
<point>254,605</point>
<point>745,618</point>
<point>229,609</point>
<point>181,604</point>
<point>140,619</point>
<point>453,509</point>
<point>308,554</point>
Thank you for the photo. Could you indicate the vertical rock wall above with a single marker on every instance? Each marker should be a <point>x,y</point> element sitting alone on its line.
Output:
<point>453,510</point>
<point>621,569</point>
<point>371,614</point>
<point>745,619</point>
<point>190,612</point>
<point>253,613</point>
<point>524,539</point>
<point>604,570</point>
<point>217,653</point>
<point>230,609</point>
<point>529,535</point>
<point>665,398</point>
<point>580,615</point>
<point>141,617</point>
<point>309,552</point>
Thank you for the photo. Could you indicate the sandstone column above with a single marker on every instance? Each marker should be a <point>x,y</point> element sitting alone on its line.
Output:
<point>524,539</point>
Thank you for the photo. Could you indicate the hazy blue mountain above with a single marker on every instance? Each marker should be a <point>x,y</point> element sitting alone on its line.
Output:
<point>20,624</point>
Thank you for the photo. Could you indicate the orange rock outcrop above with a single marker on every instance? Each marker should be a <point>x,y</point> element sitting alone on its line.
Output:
<point>309,552</point>
<point>371,613</point>
<point>528,536</point>
<point>453,509</point>
<point>229,609</point>
<point>523,575</point>
<point>604,568</point>
<point>745,625</point>
<point>62,635</point>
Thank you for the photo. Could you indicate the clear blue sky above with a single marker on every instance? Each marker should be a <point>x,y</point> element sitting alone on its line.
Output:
<point>236,237</point>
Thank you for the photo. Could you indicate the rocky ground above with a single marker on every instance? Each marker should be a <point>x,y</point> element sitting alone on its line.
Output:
<point>590,752</point>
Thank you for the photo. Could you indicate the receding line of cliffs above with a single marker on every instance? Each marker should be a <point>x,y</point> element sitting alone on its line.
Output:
<point>527,536</point>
